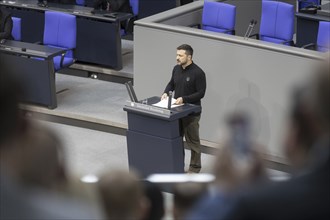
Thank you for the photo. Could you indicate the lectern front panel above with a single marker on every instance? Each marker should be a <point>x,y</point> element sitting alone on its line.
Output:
<point>153,126</point>
<point>149,154</point>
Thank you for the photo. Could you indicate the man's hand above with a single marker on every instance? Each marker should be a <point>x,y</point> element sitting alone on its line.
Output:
<point>164,96</point>
<point>179,101</point>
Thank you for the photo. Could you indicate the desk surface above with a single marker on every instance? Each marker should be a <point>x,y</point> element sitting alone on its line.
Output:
<point>70,9</point>
<point>316,17</point>
<point>156,112</point>
<point>30,49</point>
<point>325,10</point>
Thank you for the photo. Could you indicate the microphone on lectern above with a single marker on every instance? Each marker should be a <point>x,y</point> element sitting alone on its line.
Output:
<point>169,102</point>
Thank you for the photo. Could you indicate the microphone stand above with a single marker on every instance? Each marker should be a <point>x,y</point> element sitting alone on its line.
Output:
<point>248,29</point>
<point>42,3</point>
<point>252,26</point>
<point>169,102</point>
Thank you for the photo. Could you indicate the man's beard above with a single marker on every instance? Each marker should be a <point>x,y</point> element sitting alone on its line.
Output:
<point>181,63</point>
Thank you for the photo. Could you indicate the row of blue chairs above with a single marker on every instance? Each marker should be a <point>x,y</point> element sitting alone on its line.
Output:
<point>276,25</point>
<point>60,31</point>
<point>277,20</point>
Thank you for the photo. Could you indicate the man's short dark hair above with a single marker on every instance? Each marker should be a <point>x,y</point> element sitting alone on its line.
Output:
<point>187,48</point>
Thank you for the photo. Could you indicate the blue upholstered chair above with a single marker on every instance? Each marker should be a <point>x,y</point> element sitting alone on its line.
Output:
<point>80,2</point>
<point>16,31</point>
<point>129,22</point>
<point>277,23</point>
<point>135,7</point>
<point>60,31</point>
<point>219,17</point>
<point>323,38</point>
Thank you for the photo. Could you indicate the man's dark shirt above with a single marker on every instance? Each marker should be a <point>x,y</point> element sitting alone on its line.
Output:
<point>188,83</point>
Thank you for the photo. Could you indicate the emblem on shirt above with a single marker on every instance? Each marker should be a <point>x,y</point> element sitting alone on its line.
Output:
<point>188,79</point>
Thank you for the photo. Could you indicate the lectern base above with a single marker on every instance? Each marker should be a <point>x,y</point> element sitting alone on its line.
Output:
<point>150,154</point>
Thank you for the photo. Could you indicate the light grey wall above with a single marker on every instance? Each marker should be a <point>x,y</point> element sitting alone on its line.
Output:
<point>241,74</point>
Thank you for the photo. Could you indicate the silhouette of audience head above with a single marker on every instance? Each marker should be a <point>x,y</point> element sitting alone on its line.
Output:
<point>36,158</point>
<point>122,195</point>
<point>32,155</point>
<point>185,196</point>
<point>156,201</point>
<point>309,118</point>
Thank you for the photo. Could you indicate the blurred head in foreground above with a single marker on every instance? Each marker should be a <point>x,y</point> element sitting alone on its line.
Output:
<point>309,119</point>
<point>122,195</point>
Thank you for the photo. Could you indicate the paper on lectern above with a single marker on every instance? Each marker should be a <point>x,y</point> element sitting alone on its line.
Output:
<point>163,103</point>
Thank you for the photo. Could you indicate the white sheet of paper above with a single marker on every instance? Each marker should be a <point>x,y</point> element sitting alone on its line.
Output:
<point>163,103</point>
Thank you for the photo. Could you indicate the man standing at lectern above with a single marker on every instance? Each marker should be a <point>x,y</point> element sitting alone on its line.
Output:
<point>189,83</point>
